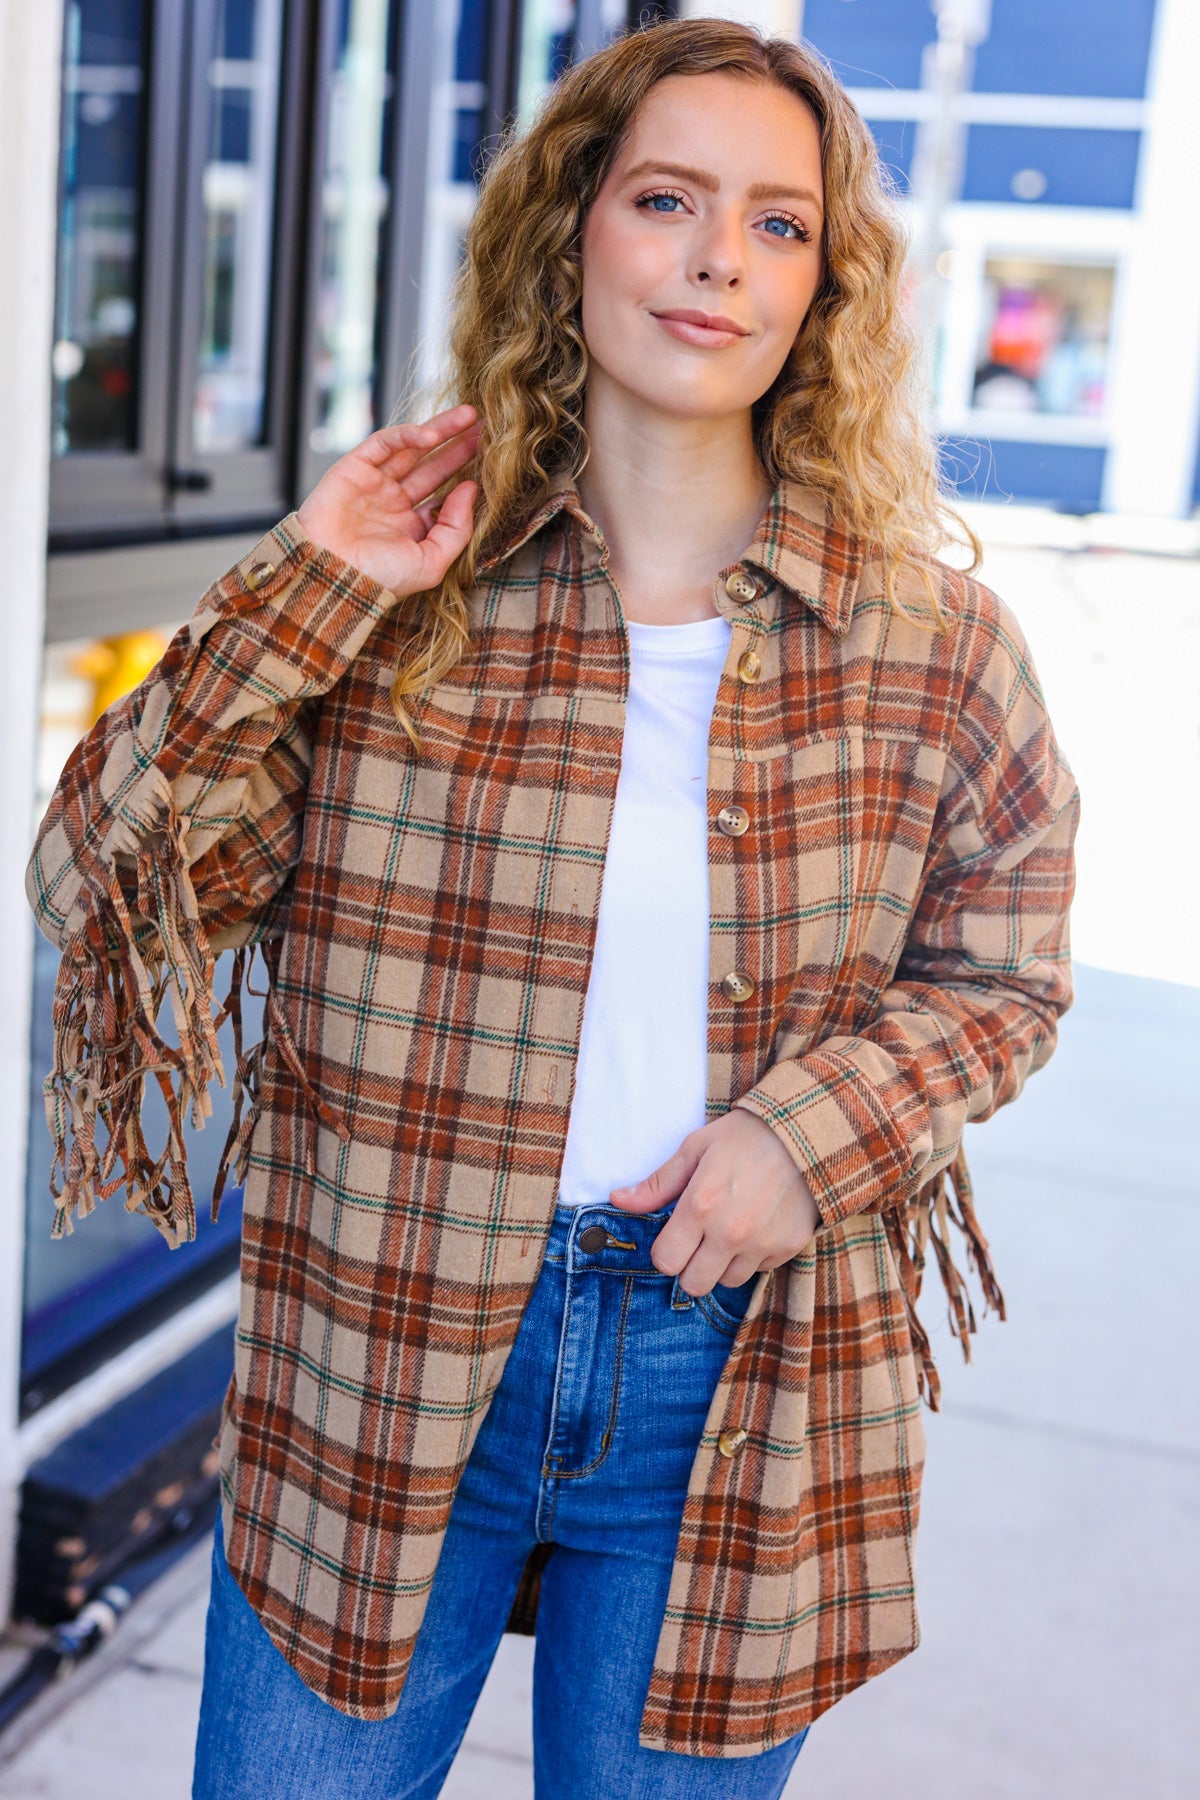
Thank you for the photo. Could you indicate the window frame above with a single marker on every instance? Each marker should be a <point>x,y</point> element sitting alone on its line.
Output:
<point>977,232</point>
<point>164,487</point>
<point>89,488</point>
<point>254,482</point>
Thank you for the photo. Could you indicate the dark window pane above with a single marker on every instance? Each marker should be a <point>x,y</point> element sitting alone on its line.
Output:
<point>470,67</point>
<point>239,224</point>
<point>458,109</point>
<point>94,362</point>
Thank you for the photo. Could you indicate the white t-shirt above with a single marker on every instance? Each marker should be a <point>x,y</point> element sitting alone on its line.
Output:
<point>641,1078</point>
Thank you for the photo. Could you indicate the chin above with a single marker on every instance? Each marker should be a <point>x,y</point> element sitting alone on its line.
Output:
<point>684,400</point>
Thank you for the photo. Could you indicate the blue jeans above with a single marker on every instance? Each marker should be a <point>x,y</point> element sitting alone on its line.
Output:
<point>587,1444</point>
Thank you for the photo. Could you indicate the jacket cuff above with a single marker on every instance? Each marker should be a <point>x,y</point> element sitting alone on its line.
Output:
<point>331,598</point>
<point>836,1128</point>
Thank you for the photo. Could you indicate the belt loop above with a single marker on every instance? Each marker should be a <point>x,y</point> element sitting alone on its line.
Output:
<point>569,1245</point>
<point>680,1298</point>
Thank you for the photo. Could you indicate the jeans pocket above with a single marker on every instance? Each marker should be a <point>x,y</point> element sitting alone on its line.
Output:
<point>725,1307</point>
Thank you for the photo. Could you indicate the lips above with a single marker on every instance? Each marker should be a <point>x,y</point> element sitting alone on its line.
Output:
<point>708,321</point>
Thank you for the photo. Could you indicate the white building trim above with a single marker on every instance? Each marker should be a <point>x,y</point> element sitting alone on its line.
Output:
<point>128,1370</point>
<point>1078,112</point>
<point>1155,400</point>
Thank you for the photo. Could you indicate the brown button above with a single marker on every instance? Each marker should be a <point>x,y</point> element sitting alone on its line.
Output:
<point>737,985</point>
<point>730,1442</point>
<point>733,820</point>
<point>740,586</point>
<point>594,1237</point>
<point>257,573</point>
<point>749,665</point>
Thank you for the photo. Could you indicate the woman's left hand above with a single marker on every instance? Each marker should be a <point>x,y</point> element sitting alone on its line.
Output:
<point>743,1204</point>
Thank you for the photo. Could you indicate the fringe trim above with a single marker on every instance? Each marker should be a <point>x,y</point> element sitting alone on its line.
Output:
<point>923,1221</point>
<point>112,982</point>
<point>247,1079</point>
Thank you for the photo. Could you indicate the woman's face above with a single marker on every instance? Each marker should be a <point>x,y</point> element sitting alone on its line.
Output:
<point>713,207</point>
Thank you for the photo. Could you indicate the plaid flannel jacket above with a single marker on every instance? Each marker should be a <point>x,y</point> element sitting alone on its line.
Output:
<point>888,961</point>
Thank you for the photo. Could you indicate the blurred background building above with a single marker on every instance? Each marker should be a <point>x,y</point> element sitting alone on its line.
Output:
<point>231,228</point>
<point>1067,368</point>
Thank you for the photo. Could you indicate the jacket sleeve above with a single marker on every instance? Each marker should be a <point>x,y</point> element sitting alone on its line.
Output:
<point>875,1116</point>
<point>172,835</point>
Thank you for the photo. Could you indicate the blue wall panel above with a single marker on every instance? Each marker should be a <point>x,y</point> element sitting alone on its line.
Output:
<point>1097,47</point>
<point>896,139</point>
<point>1069,476</point>
<point>1082,168</point>
<point>871,43</point>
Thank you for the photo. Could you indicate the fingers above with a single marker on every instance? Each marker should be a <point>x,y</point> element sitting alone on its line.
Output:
<point>702,1254</point>
<point>663,1185</point>
<point>452,419</point>
<point>736,1212</point>
<point>414,440</point>
<point>743,1269</point>
<point>421,479</point>
<point>708,1267</point>
<point>448,533</point>
<point>430,431</point>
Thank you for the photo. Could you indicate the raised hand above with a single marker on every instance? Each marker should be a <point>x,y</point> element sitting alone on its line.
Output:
<point>372,507</point>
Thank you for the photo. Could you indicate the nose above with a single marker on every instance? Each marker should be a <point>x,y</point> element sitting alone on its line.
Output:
<point>720,255</point>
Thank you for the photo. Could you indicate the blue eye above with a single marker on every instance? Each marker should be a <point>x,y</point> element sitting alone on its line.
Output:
<point>649,202</point>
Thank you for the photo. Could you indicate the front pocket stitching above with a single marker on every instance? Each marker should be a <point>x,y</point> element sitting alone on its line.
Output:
<point>715,1313</point>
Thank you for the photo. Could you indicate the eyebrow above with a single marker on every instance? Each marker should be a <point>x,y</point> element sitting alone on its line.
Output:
<point>701,178</point>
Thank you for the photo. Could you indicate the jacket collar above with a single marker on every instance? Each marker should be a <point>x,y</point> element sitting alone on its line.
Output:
<point>798,543</point>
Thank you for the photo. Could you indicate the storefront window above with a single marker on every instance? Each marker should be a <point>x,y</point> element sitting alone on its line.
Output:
<point>355,194</point>
<point>239,204</point>
<point>556,33</point>
<point>547,45</point>
<point>1045,340</point>
<point>94,362</point>
<point>457,108</point>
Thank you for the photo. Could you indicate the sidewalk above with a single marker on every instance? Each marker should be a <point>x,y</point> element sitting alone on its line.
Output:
<point>1058,1554</point>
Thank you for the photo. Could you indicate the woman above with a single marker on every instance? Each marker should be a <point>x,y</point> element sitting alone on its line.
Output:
<point>658,856</point>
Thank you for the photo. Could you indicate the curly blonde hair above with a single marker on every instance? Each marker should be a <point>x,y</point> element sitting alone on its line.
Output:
<point>842,415</point>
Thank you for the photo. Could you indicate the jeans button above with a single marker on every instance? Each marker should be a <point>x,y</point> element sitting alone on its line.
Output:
<point>593,1238</point>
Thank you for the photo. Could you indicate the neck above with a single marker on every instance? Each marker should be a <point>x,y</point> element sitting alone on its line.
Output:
<point>676,499</point>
